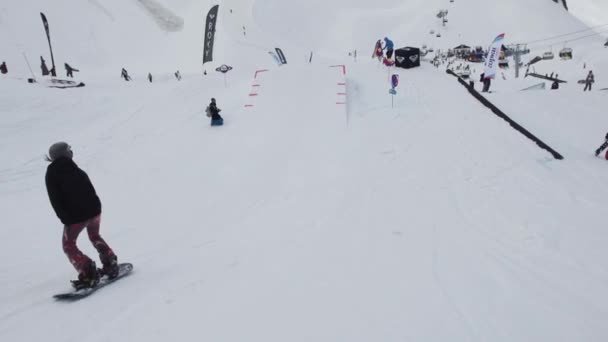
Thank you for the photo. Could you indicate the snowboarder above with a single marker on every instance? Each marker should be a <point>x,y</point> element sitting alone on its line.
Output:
<point>124,74</point>
<point>3,68</point>
<point>43,67</point>
<point>77,205</point>
<point>555,85</point>
<point>178,76</point>
<point>213,112</point>
<point>388,46</point>
<point>69,70</point>
<point>602,147</point>
<point>150,77</point>
<point>589,80</point>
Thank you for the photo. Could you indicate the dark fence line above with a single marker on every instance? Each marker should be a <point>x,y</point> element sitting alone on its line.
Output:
<point>505,117</point>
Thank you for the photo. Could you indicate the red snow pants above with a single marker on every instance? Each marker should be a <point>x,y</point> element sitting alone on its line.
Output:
<point>78,259</point>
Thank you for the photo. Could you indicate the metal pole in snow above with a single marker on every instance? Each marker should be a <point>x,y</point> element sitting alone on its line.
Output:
<point>28,65</point>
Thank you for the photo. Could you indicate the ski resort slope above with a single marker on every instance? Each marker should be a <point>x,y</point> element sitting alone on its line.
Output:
<point>592,12</point>
<point>310,215</point>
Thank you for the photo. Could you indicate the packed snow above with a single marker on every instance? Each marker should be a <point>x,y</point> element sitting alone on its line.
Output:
<point>323,209</point>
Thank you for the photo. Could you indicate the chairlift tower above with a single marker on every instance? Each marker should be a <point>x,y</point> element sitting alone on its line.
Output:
<point>517,57</point>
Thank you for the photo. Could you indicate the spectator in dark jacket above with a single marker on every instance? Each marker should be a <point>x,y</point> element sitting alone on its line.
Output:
<point>3,68</point>
<point>77,205</point>
<point>43,67</point>
<point>589,81</point>
<point>124,74</point>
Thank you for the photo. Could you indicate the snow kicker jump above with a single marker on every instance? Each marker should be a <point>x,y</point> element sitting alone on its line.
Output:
<point>166,19</point>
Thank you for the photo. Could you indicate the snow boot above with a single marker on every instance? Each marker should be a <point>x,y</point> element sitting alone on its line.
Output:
<point>89,277</point>
<point>110,267</point>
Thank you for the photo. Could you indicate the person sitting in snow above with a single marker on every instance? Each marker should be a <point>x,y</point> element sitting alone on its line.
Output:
<point>77,205</point>
<point>3,68</point>
<point>213,112</point>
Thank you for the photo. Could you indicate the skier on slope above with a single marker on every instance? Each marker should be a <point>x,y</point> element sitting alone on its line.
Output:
<point>388,46</point>
<point>602,147</point>
<point>214,113</point>
<point>77,205</point>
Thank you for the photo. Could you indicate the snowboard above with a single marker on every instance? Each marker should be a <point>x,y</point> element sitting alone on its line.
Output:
<point>124,269</point>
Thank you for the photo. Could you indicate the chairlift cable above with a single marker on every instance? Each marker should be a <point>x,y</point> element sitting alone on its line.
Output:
<point>566,34</point>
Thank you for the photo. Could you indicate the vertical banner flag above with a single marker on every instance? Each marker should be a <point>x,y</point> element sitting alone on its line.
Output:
<point>491,64</point>
<point>48,37</point>
<point>275,57</point>
<point>210,34</point>
<point>281,56</point>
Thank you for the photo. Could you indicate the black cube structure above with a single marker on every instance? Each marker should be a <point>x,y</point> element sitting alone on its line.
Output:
<point>407,57</point>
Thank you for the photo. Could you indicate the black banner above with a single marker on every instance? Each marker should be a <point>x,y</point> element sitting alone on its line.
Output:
<point>210,34</point>
<point>281,56</point>
<point>48,37</point>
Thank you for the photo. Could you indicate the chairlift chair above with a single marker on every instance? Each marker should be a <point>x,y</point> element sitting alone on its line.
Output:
<point>548,55</point>
<point>565,53</point>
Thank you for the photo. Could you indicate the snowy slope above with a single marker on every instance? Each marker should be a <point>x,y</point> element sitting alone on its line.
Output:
<point>304,219</point>
<point>593,12</point>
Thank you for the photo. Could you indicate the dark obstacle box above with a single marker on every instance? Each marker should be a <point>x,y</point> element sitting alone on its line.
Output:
<point>407,57</point>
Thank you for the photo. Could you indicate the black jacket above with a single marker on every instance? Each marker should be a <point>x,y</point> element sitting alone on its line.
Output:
<point>215,112</point>
<point>71,193</point>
